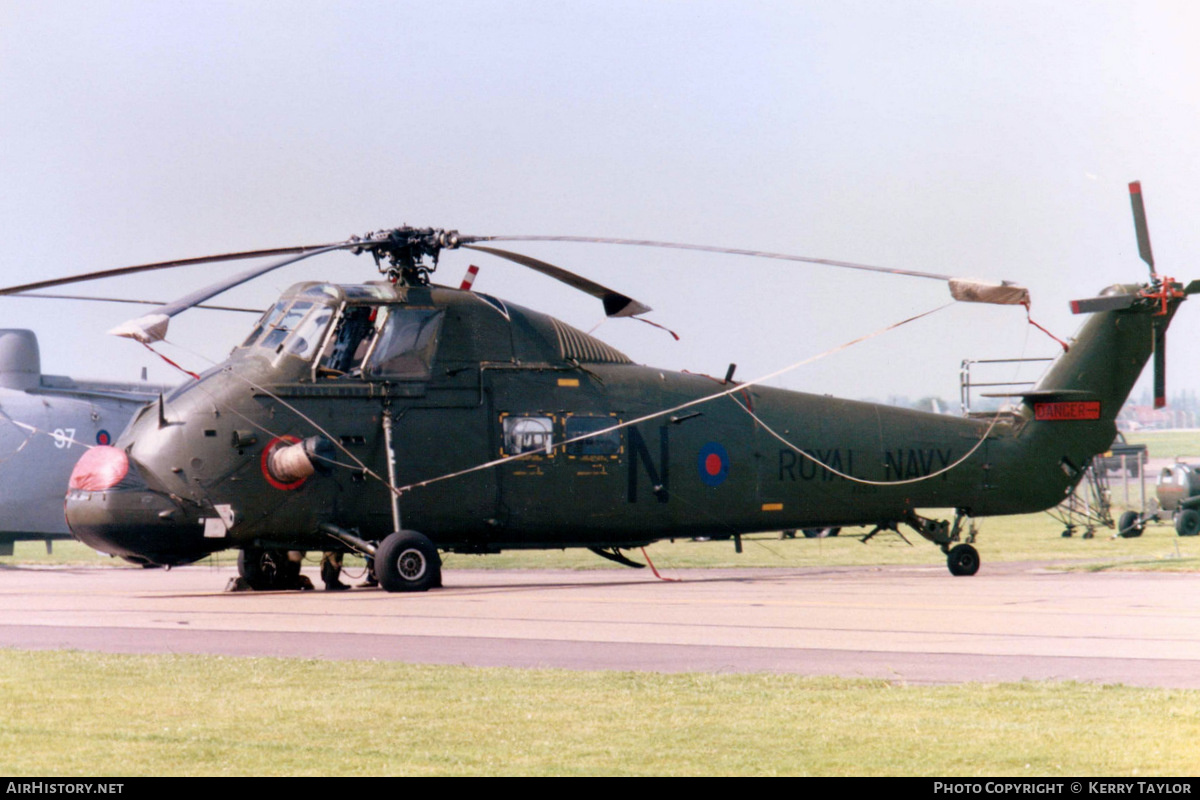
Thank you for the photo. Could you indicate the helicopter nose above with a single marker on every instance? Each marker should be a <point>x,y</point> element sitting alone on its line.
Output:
<point>111,508</point>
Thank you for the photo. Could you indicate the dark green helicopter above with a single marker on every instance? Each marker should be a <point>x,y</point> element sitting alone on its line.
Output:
<point>399,418</point>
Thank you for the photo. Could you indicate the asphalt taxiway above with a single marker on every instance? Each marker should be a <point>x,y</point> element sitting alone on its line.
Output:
<point>912,624</point>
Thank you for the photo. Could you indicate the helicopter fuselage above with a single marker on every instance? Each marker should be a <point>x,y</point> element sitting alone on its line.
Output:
<point>509,429</point>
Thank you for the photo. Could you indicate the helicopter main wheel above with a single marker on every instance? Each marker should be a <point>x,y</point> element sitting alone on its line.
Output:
<point>1129,526</point>
<point>264,570</point>
<point>963,559</point>
<point>1188,522</point>
<point>821,533</point>
<point>407,561</point>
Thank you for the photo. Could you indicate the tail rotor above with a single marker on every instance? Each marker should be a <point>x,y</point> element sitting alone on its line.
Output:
<point>1155,297</point>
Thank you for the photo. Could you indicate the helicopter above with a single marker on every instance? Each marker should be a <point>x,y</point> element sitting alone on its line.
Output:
<point>400,418</point>
<point>45,421</point>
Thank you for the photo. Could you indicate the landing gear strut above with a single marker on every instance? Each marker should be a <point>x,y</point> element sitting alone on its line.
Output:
<point>615,554</point>
<point>961,559</point>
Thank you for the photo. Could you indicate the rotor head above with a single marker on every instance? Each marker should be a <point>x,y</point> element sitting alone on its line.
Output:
<point>401,253</point>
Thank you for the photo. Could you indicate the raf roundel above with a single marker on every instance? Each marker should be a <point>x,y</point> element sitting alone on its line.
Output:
<point>713,464</point>
<point>103,437</point>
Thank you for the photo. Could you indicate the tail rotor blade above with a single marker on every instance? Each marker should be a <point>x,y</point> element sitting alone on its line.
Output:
<point>1160,366</point>
<point>1105,302</point>
<point>1139,223</point>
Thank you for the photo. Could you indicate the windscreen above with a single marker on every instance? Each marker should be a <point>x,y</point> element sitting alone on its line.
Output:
<point>291,327</point>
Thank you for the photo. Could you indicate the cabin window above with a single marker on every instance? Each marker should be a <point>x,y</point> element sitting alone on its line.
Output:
<point>406,344</point>
<point>527,434</point>
<point>597,441</point>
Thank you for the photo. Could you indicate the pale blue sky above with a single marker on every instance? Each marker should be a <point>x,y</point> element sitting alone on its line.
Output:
<point>974,138</point>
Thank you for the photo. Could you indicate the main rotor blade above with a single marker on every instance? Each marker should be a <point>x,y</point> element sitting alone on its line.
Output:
<point>153,327</point>
<point>1139,223</point>
<point>706,249</point>
<point>1105,302</point>
<point>136,302</point>
<point>1160,366</point>
<point>615,303</point>
<point>182,262</point>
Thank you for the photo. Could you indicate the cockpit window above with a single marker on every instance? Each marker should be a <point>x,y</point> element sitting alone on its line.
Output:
<point>406,344</point>
<point>268,319</point>
<point>348,346</point>
<point>309,332</point>
<point>296,329</point>
<point>283,327</point>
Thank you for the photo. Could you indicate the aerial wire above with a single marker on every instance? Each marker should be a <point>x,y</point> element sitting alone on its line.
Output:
<point>740,387</point>
<point>399,491</point>
<point>708,398</point>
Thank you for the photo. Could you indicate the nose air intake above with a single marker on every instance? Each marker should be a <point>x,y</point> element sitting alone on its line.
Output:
<point>288,462</point>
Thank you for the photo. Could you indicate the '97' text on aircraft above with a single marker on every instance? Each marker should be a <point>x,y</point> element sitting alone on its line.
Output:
<point>46,421</point>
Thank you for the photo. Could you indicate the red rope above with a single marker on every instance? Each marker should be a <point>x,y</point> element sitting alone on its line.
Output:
<point>660,327</point>
<point>169,361</point>
<point>1065,347</point>
<point>655,571</point>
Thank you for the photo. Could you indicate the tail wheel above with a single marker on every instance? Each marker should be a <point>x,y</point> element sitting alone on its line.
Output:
<point>264,570</point>
<point>963,559</point>
<point>1129,526</point>
<point>408,561</point>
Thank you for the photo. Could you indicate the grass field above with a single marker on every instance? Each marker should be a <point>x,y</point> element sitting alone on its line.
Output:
<point>108,715</point>
<point>1168,444</point>
<point>69,713</point>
